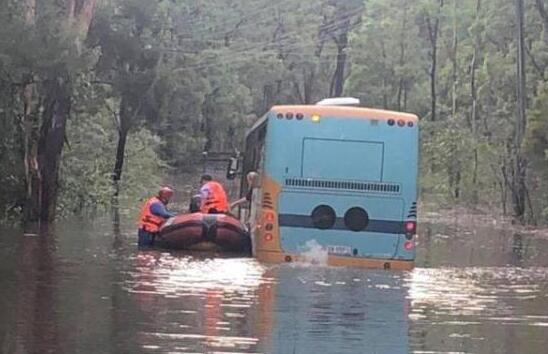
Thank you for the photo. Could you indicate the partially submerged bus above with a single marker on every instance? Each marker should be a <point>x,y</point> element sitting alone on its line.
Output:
<point>342,177</point>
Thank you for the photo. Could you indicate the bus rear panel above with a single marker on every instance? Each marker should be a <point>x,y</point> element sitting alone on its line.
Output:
<point>343,179</point>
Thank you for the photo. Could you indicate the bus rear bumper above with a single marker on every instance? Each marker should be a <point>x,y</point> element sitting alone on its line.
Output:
<point>337,261</point>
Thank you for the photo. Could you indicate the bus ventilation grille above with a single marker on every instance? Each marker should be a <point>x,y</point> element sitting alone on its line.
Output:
<point>413,211</point>
<point>355,186</point>
<point>267,201</point>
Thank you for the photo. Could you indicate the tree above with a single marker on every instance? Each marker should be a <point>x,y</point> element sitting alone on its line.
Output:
<point>130,37</point>
<point>47,103</point>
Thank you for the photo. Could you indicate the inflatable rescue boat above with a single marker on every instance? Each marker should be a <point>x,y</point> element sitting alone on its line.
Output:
<point>204,232</point>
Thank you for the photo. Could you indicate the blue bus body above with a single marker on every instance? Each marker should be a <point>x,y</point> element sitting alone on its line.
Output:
<point>344,178</point>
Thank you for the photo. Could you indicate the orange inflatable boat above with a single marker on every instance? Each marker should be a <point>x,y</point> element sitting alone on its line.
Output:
<point>204,232</point>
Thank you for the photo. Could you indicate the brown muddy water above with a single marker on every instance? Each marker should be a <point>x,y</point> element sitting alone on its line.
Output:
<point>85,288</point>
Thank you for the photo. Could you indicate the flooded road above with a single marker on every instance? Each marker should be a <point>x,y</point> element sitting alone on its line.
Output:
<point>86,289</point>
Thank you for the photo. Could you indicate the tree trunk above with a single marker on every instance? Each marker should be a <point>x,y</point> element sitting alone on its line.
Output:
<point>433,33</point>
<point>30,11</point>
<point>384,84</point>
<point>337,82</point>
<point>504,189</point>
<point>520,162</point>
<point>51,141</point>
<point>454,62</point>
<point>308,85</point>
<point>455,166</point>
<point>405,97</point>
<point>208,113</point>
<point>402,81</point>
<point>519,188</point>
<point>268,98</point>
<point>473,113</point>
<point>130,108</point>
<point>30,136</point>
<point>433,68</point>
<point>42,160</point>
<point>310,79</point>
<point>124,123</point>
<point>457,183</point>
<point>120,155</point>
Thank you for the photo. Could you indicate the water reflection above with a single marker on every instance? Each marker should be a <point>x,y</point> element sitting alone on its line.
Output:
<point>519,249</point>
<point>335,310</point>
<point>86,288</point>
<point>478,245</point>
<point>477,309</point>
<point>35,291</point>
<point>207,304</point>
<point>484,290</point>
<point>198,304</point>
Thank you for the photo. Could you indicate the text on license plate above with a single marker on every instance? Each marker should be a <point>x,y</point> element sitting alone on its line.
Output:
<point>341,250</point>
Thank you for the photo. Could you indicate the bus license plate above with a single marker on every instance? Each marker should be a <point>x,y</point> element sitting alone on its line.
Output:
<point>339,250</point>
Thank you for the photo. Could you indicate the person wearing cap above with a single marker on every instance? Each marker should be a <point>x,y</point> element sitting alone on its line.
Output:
<point>252,183</point>
<point>213,199</point>
<point>153,214</point>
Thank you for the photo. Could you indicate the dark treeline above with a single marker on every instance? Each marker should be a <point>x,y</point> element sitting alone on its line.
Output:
<point>99,99</point>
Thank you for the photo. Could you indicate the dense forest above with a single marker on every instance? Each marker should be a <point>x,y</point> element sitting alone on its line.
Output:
<point>100,99</point>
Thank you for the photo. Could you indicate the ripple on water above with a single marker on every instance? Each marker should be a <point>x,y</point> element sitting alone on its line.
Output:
<point>485,293</point>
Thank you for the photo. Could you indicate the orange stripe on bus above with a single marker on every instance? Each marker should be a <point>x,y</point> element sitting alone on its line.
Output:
<point>336,261</point>
<point>345,112</point>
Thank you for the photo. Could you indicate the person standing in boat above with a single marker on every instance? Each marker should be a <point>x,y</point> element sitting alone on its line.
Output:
<point>213,199</point>
<point>153,214</point>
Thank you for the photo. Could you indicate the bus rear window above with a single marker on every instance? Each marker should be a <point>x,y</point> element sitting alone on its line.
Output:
<point>342,159</point>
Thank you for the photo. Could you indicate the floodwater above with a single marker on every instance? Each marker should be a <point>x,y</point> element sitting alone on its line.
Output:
<point>85,288</point>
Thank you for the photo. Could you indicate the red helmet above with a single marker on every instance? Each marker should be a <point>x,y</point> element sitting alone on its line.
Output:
<point>165,192</point>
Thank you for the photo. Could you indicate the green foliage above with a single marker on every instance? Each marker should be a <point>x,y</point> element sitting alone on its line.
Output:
<point>144,169</point>
<point>11,168</point>
<point>182,76</point>
<point>536,139</point>
<point>535,146</point>
<point>388,61</point>
<point>87,165</point>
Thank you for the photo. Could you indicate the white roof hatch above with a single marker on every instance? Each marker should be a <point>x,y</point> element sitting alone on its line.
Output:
<point>339,101</point>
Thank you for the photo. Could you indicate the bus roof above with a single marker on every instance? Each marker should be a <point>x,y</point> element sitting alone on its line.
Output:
<point>345,112</point>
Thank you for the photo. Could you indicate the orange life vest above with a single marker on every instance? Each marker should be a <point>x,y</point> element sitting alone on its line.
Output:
<point>215,199</point>
<point>148,221</point>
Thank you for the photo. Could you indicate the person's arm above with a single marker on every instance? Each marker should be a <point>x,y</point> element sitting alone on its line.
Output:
<point>160,209</point>
<point>238,202</point>
<point>247,198</point>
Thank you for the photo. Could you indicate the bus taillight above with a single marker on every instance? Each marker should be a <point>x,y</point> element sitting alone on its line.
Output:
<point>408,245</point>
<point>268,237</point>
<point>410,227</point>
<point>269,216</point>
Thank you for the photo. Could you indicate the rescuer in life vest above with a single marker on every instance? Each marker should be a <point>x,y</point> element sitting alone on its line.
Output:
<point>213,197</point>
<point>153,215</point>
